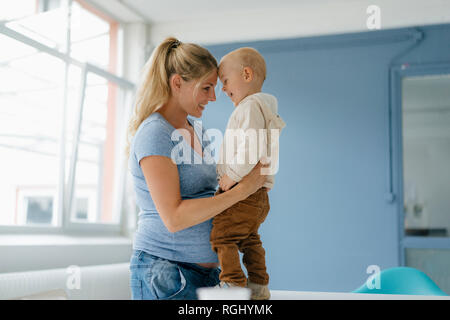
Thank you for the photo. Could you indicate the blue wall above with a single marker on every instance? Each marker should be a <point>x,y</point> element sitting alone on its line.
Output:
<point>330,218</point>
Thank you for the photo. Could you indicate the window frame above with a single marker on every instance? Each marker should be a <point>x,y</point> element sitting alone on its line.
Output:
<point>65,191</point>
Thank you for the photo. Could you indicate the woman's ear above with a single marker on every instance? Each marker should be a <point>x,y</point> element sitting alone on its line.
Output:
<point>247,73</point>
<point>175,82</point>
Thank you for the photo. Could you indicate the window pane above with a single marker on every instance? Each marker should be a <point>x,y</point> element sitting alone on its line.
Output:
<point>31,99</point>
<point>97,170</point>
<point>426,155</point>
<point>434,263</point>
<point>17,9</point>
<point>39,210</point>
<point>44,21</point>
<point>90,37</point>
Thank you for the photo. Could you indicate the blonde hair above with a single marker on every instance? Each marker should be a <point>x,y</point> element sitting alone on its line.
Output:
<point>250,57</point>
<point>190,61</point>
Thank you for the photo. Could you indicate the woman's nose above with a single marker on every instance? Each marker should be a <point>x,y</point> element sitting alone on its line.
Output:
<point>213,97</point>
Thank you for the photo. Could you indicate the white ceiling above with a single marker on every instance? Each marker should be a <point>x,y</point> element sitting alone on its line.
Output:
<point>213,21</point>
<point>157,11</point>
<point>165,11</point>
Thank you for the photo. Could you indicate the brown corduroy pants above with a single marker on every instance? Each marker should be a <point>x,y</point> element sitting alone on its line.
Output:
<point>237,229</point>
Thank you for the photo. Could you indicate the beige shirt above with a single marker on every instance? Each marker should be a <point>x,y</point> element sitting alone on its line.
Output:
<point>252,132</point>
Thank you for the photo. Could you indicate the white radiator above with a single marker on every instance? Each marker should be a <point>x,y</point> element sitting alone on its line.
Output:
<point>103,282</point>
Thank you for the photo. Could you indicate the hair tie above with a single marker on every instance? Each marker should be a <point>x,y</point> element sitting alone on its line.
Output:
<point>176,44</point>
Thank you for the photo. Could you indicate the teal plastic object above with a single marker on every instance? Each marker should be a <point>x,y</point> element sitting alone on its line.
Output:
<point>401,280</point>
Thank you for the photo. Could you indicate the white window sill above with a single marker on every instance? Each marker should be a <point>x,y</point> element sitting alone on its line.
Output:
<point>60,240</point>
<point>25,252</point>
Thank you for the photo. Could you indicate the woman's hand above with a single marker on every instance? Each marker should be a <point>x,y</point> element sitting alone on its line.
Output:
<point>253,180</point>
<point>163,183</point>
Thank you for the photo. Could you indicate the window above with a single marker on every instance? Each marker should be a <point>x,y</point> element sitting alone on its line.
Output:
<point>422,113</point>
<point>30,122</point>
<point>63,111</point>
<point>93,37</point>
<point>97,161</point>
<point>426,154</point>
<point>36,19</point>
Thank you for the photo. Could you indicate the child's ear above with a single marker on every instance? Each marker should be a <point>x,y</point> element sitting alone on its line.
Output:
<point>247,73</point>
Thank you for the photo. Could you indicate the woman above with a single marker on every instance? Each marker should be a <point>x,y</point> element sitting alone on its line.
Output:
<point>172,256</point>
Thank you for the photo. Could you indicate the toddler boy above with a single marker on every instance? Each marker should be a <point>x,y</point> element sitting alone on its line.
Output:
<point>242,73</point>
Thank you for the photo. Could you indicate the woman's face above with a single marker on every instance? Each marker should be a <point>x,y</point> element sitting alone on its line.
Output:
<point>195,96</point>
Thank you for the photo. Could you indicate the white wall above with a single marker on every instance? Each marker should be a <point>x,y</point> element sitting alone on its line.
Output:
<point>136,49</point>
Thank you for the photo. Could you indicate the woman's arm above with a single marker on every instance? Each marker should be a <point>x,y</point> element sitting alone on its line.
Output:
<point>161,175</point>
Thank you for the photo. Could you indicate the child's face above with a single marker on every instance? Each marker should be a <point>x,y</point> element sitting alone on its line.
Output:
<point>233,80</point>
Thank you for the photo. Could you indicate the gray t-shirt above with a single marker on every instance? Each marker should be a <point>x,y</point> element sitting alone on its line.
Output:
<point>197,180</point>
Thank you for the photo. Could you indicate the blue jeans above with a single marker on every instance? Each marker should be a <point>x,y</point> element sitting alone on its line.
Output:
<point>154,278</point>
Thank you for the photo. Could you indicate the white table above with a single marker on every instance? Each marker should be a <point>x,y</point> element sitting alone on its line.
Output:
<point>313,295</point>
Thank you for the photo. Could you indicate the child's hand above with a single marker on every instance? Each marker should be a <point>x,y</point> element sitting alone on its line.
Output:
<point>226,183</point>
